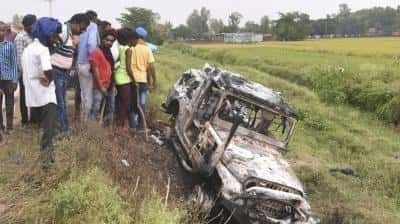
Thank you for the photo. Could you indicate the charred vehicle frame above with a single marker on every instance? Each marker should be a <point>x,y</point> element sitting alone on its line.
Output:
<point>234,130</point>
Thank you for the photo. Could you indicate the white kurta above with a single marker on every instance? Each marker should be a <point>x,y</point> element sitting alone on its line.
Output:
<point>36,60</point>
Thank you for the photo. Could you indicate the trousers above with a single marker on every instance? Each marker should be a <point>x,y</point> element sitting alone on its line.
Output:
<point>86,84</point>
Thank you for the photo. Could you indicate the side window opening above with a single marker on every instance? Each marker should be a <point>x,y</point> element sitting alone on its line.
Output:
<point>257,119</point>
<point>208,105</point>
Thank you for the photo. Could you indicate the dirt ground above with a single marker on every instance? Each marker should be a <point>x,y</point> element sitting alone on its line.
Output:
<point>149,164</point>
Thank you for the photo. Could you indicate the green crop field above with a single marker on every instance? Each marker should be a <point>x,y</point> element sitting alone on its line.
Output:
<point>358,46</point>
<point>360,72</point>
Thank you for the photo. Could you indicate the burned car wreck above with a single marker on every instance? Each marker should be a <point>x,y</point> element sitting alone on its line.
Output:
<point>233,130</point>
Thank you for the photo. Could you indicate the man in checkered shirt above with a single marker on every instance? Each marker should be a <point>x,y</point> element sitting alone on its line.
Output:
<point>22,40</point>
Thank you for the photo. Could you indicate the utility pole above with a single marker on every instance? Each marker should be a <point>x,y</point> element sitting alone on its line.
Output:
<point>50,7</point>
<point>326,25</point>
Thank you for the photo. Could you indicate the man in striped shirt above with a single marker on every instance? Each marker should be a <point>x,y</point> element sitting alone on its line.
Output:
<point>62,61</point>
<point>8,77</point>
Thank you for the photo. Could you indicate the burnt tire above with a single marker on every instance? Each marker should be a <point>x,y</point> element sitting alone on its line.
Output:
<point>203,201</point>
<point>182,156</point>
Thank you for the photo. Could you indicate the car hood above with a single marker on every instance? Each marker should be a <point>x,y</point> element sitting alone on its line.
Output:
<point>246,159</point>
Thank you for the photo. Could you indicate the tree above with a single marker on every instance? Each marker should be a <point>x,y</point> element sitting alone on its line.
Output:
<point>198,22</point>
<point>182,32</point>
<point>163,31</point>
<point>234,21</point>
<point>204,16</point>
<point>265,25</point>
<point>373,21</point>
<point>251,27</point>
<point>292,26</point>
<point>344,10</point>
<point>145,18</point>
<point>216,26</point>
<point>323,27</point>
<point>344,20</point>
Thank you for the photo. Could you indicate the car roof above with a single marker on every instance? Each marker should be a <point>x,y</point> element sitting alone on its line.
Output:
<point>256,92</point>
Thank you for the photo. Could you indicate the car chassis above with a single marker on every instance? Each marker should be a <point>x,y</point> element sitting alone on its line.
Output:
<point>228,128</point>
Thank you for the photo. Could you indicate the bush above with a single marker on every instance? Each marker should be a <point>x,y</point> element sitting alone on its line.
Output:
<point>329,84</point>
<point>391,110</point>
<point>153,211</point>
<point>88,199</point>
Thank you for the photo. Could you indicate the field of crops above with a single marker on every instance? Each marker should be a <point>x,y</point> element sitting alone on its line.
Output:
<point>337,129</point>
<point>360,72</point>
<point>351,46</point>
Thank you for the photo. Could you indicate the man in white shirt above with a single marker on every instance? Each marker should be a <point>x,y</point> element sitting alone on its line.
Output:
<point>38,80</point>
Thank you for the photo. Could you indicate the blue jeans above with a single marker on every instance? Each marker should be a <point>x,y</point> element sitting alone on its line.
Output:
<point>110,105</point>
<point>97,104</point>
<point>61,83</point>
<point>135,119</point>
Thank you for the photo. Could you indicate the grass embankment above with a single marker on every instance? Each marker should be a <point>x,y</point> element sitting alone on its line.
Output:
<point>359,72</point>
<point>327,136</point>
<point>89,183</point>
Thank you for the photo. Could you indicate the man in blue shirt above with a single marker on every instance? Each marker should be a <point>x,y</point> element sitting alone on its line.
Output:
<point>8,77</point>
<point>88,42</point>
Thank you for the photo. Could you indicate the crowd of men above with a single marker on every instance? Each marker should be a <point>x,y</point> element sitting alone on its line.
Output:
<point>111,71</point>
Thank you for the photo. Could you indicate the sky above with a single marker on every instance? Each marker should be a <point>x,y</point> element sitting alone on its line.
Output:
<point>176,11</point>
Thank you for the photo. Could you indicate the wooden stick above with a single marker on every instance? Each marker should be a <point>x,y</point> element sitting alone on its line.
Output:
<point>103,108</point>
<point>136,186</point>
<point>142,114</point>
<point>168,189</point>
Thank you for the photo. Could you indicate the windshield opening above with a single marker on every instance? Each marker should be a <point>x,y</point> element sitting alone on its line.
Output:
<point>257,119</point>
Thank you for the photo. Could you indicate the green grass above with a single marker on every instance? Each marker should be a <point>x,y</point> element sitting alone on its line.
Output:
<point>86,198</point>
<point>327,136</point>
<point>360,72</point>
<point>152,211</point>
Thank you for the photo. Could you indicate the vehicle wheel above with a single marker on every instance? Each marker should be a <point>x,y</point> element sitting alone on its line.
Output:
<point>171,136</point>
<point>202,200</point>
<point>182,155</point>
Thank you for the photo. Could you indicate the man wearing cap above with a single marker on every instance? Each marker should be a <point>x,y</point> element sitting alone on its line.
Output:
<point>142,67</point>
<point>22,40</point>
<point>38,80</point>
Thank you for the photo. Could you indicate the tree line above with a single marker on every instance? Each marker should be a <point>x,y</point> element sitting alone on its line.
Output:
<point>290,26</point>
